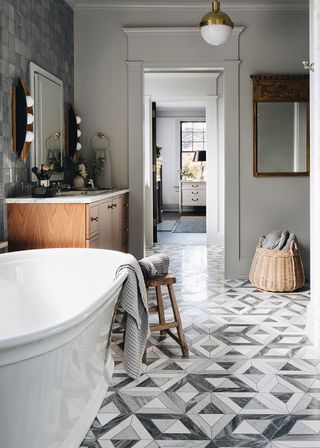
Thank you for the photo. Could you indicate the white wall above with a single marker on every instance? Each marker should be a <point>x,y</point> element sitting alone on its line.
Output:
<point>274,42</point>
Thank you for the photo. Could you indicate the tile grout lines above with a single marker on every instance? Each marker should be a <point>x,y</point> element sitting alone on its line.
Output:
<point>252,378</point>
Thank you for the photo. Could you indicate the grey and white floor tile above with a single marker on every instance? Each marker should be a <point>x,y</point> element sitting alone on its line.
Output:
<point>252,378</point>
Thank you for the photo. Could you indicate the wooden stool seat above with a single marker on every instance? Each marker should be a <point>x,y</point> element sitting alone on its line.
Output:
<point>163,326</point>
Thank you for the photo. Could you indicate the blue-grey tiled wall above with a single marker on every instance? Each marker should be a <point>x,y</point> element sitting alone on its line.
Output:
<point>40,31</point>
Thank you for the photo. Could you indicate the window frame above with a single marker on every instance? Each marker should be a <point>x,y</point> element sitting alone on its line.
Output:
<point>181,141</point>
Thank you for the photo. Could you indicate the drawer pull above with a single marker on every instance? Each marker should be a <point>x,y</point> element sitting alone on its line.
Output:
<point>195,186</point>
<point>114,205</point>
<point>197,199</point>
<point>195,192</point>
<point>94,219</point>
<point>110,206</point>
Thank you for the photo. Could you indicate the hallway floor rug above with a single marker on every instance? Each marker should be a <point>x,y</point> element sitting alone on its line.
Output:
<point>166,225</point>
<point>191,224</point>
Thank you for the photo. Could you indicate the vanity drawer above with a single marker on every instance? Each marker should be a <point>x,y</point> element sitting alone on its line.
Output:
<point>193,186</point>
<point>193,197</point>
<point>92,221</point>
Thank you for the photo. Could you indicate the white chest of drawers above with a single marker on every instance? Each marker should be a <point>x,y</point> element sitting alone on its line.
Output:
<point>192,194</point>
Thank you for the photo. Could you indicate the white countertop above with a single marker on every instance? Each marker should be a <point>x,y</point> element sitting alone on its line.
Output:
<point>87,198</point>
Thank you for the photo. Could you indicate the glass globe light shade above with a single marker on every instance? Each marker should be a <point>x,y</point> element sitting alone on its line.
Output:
<point>78,119</point>
<point>30,118</point>
<point>78,133</point>
<point>78,147</point>
<point>216,34</point>
<point>30,101</point>
<point>29,136</point>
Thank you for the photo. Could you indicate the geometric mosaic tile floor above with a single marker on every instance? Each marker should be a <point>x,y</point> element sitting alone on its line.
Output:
<point>252,378</point>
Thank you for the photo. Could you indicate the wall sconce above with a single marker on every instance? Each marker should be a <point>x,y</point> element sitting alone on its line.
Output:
<point>74,133</point>
<point>22,119</point>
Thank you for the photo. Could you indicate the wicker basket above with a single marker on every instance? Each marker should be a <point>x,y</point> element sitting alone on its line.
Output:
<point>277,270</point>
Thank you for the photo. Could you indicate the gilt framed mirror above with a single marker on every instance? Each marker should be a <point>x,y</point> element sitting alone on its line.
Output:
<point>49,142</point>
<point>281,125</point>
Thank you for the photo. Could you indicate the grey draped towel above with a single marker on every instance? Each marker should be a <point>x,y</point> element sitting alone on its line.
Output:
<point>133,300</point>
<point>155,265</point>
<point>278,240</point>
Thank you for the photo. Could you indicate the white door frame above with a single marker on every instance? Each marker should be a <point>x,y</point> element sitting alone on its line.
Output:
<point>137,49</point>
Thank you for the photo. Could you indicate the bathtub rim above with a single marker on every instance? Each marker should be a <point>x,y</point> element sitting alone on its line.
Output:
<point>74,321</point>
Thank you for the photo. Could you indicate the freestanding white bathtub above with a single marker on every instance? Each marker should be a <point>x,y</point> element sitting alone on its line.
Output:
<point>56,309</point>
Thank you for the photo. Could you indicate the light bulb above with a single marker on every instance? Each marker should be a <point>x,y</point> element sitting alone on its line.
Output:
<point>78,147</point>
<point>78,119</point>
<point>29,136</point>
<point>30,101</point>
<point>30,118</point>
<point>78,133</point>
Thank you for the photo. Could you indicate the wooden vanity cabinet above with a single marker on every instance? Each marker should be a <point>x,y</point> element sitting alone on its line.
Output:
<point>107,224</point>
<point>101,225</point>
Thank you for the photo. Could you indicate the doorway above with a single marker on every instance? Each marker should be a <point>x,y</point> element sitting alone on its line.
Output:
<point>180,129</point>
<point>181,177</point>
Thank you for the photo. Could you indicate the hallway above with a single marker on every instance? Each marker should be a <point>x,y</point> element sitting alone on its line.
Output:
<point>252,378</point>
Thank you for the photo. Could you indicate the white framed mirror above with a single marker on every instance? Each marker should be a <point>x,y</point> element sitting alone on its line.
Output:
<point>48,145</point>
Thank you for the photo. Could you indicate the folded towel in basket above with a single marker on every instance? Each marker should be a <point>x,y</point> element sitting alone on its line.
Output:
<point>155,265</point>
<point>278,240</point>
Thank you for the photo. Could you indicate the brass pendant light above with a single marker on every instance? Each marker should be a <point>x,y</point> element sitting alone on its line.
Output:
<point>216,26</point>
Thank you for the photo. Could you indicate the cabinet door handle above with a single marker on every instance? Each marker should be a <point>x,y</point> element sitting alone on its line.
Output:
<point>114,205</point>
<point>94,219</point>
<point>195,199</point>
<point>110,206</point>
<point>195,192</point>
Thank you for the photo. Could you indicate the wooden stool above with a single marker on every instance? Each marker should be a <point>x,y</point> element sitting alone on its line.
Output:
<point>163,326</point>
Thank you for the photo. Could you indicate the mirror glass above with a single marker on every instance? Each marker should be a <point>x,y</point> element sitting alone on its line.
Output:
<point>282,137</point>
<point>280,125</point>
<point>48,146</point>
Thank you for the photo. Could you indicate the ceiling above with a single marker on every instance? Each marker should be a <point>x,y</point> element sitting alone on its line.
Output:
<point>192,4</point>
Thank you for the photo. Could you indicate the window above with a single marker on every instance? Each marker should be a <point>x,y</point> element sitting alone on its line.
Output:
<point>193,138</point>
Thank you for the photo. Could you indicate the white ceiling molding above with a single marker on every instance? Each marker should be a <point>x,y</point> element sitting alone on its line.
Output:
<point>241,5</point>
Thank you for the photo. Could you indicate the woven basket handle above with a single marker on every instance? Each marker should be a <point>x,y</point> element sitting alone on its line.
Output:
<point>293,245</point>
<point>262,238</point>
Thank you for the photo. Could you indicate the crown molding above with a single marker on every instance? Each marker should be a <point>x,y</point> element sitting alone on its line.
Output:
<point>245,5</point>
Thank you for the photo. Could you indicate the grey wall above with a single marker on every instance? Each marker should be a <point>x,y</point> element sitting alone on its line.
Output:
<point>42,32</point>
<point>274,42</point>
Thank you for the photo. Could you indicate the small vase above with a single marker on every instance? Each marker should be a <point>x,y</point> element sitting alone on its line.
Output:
<point>78,182</point>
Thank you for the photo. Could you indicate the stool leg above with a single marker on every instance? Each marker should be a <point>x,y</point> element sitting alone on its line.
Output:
<point>162,319</point>
<point>177,318</point>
